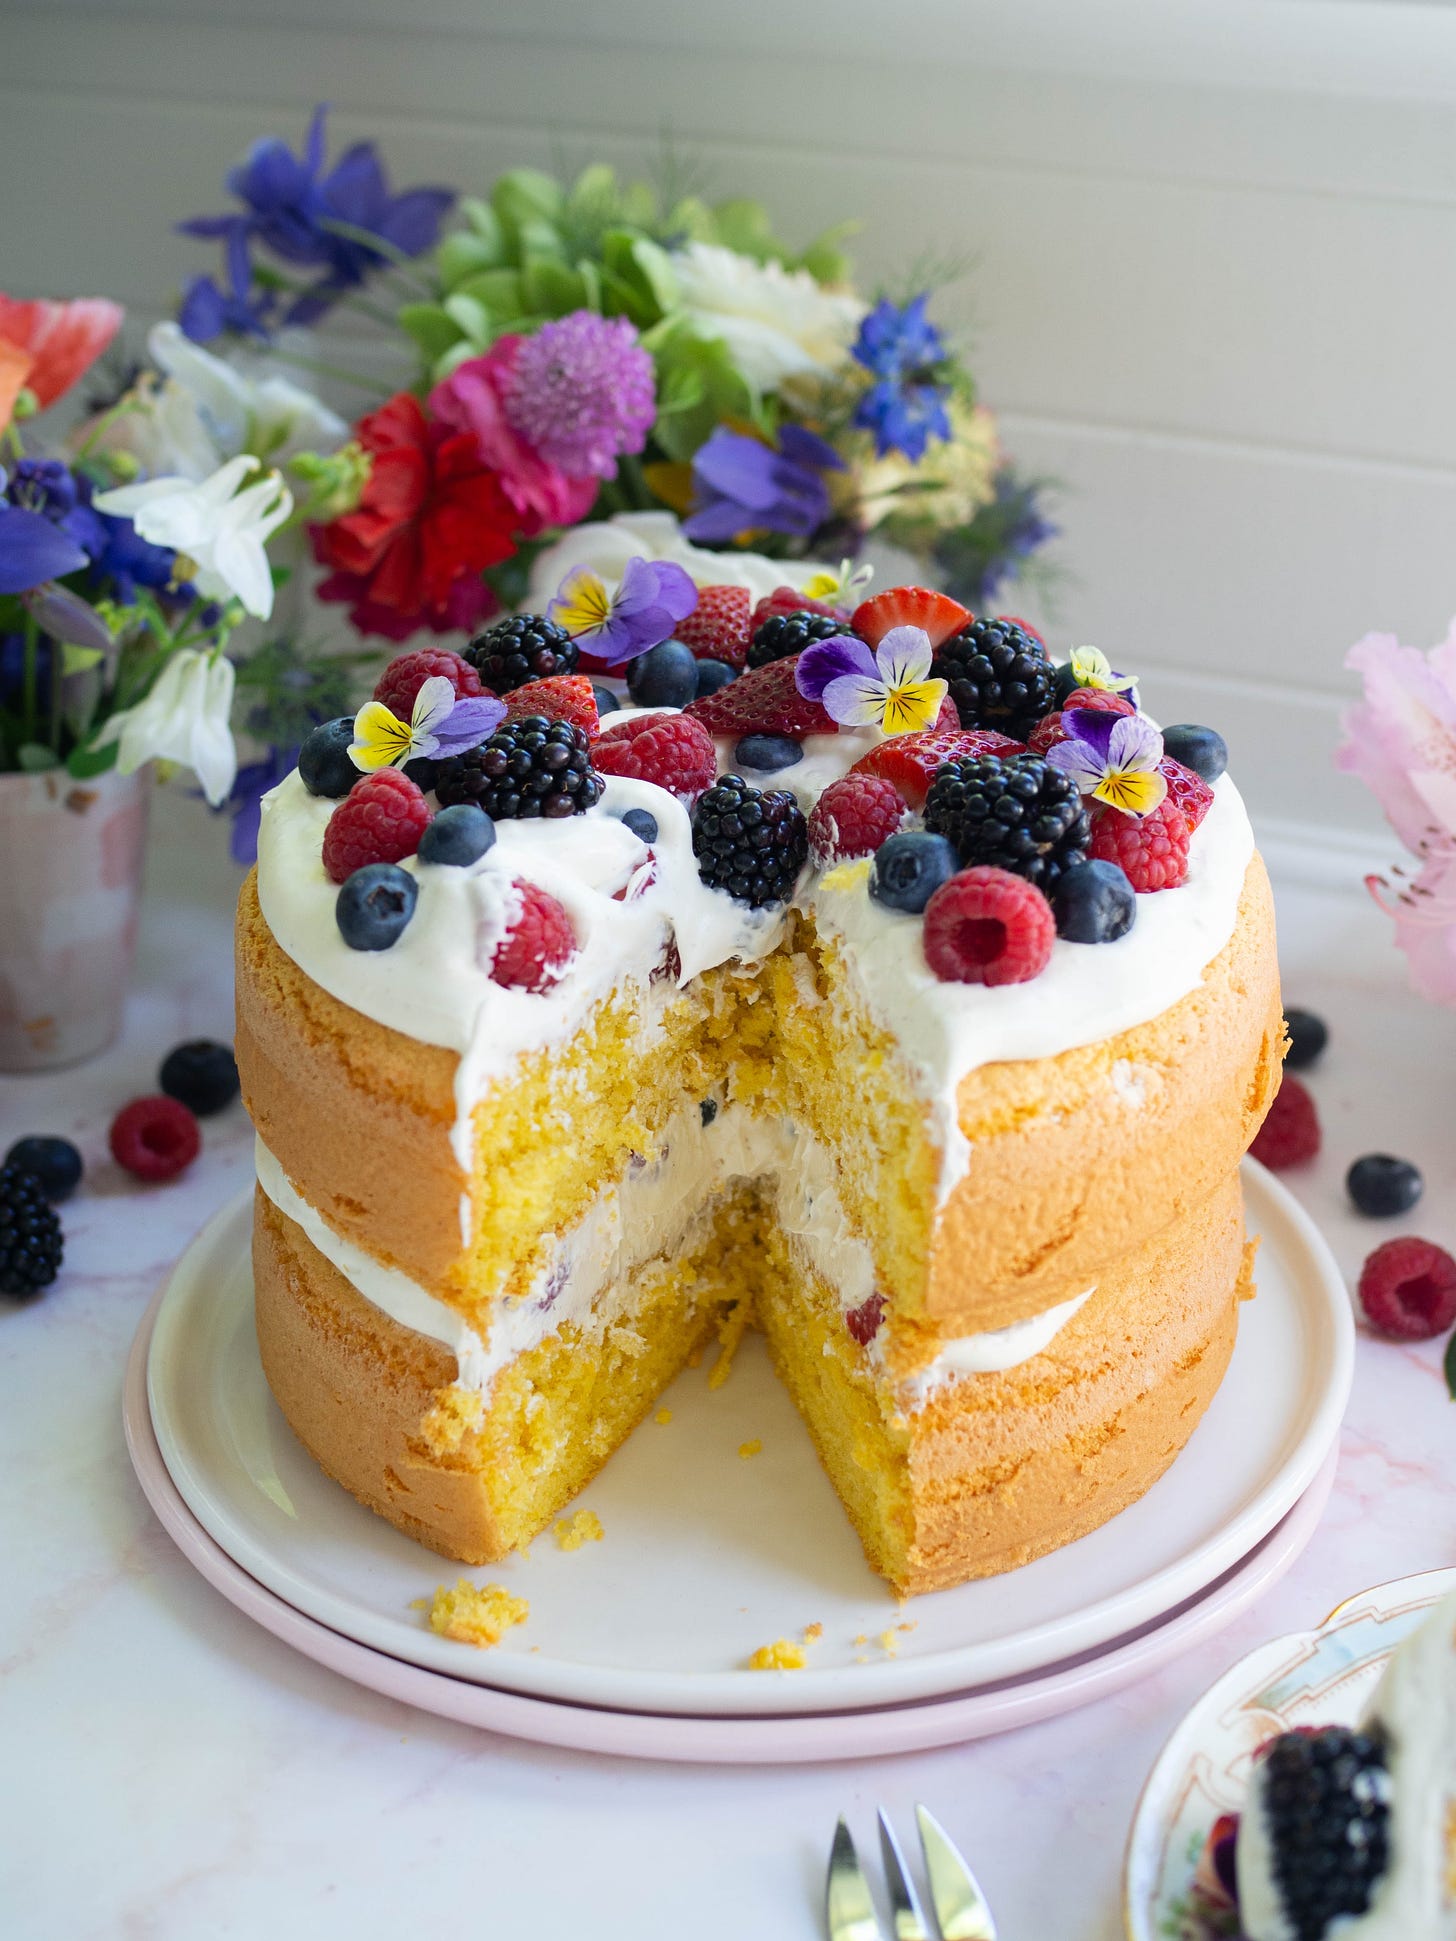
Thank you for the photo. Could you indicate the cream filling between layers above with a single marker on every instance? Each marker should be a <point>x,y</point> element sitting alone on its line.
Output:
<point>656,1207</point>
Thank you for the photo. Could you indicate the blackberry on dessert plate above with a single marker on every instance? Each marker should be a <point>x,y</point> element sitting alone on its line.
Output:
<point>528,768</point>
<point>1014,812</point>
<point>525,647</point>
<point>750,842</point>
<point>1314,1837</point>
<point>999,676</point>
<point>31,1244</point>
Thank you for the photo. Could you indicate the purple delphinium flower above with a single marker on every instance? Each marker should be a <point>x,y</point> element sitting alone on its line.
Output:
<point>741,483</point>
<point>582,393</point>
<point>906,405</point>
<point>33,547</point>
<point>651,598</point>
<point>245,800</point>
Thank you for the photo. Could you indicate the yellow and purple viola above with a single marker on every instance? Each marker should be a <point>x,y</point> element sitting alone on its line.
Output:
<point>619,623</point>
<point>441,723</point>
<point>890,688</point>
<point>1091,668</point>
<point>1112,758</point>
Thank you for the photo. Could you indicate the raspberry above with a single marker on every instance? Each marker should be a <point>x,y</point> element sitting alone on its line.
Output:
<point>784,599</point>
<point>536,949</point>
<point>155,1138</point>
<point>1192,794</point>
<point>986,926</point>
<point>1049,730</point>
<point>672,750</point>
<point>402,680</point>
<point>763,701</point>
<point>864,1321</point>
<point>380,820</point>
<point>1153,850</point>
<point>910,761</point>
<point>1408,1289</point>
<point>853,817</point>
<point>1291,1133</point>
<point>720,626</point>
<point>909,606</point>
<point>564,697</point>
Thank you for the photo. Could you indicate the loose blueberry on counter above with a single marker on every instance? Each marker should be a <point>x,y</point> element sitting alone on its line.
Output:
<point>666,676</point>
<point>375,905</point>
<point>642,823</point>
<point>1381,1185</point>
<point>458,836</point>
<point>423,770</point>
<point>1204,750</point>
<point>909,868</point>
<point>324,766</point>
<point>1308,1036</point>
<point>202,1075</point>
<point>768,753</point>
<point>712,675</point>
<point>607,702</point>
<point>1094,903</point>
<point>54,1162</point>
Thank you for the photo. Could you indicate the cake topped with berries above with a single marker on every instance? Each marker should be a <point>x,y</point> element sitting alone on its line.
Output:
<point>684,957</point>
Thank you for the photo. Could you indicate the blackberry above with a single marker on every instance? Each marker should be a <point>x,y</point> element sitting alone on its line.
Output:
<point>1015,812</point>
<point>30,1234</point>
<point>783,634</point>
<point>1325,1799</point>
<point>527,647</point>
<point>749,842</point>
<point>999,676</point>
<point>528,768</point>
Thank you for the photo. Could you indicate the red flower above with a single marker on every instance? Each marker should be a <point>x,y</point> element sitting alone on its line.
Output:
<point>62,339</point>
<point>431,518</point>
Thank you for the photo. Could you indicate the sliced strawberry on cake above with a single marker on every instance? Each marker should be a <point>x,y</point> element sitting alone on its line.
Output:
<point>720,626</point>
<point>911,761</point>
<point>909,606</point>
<point>563,697</point>
<point>764,701</point>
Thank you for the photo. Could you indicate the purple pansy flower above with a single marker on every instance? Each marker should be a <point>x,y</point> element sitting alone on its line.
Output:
<point>741,484</point>
<point>651,598</point>
<point>1113,758</point>
<point>890,688</point>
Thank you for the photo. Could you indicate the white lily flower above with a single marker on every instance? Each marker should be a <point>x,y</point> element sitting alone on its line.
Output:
<point>777,323</point>
<point>185,719</point>
<point>247,406</point>
<point>222,531</point>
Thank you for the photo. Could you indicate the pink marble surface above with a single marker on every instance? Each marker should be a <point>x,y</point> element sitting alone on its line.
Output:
<point>173,1772</point>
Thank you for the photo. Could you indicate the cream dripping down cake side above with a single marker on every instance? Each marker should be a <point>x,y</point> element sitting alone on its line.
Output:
<point>902,997</point>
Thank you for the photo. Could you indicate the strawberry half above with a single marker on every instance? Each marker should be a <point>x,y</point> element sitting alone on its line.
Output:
<point>1192,794</point>
<point>764,701</point>
<point>564,697</point>
<point>909,606</point>
<point>784,599</point>
<point>910,761</point>
<point>720,626</point>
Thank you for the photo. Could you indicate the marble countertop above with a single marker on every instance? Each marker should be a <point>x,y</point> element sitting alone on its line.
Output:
<point>172,1772</point>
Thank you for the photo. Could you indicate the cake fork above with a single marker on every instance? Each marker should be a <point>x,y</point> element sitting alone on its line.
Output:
<point>961,1912</point>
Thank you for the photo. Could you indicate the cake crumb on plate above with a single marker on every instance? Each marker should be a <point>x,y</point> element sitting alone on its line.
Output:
<point>753,1448</point>
<point>573,1531</point>
<point>664,1416</point>
<point>782,1655</point>
<point>473,1614</point>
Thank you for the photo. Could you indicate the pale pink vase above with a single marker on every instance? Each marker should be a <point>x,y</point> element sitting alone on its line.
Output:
<point>70,885</point>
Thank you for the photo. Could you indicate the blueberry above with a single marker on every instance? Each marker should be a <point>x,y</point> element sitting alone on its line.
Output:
<point>909,868</point>
<point>1381,1185</point>
<point>423,770</point>
<point>459,835</point>
<point>707,1110</point>
<point>768,753</point>
<point>607,702</point>
<point>374,906</point>
<point>1064,682</point>
<point>642,822</point>
<point>1094,903</point>
<point>714,674</point>
<point>54,1162</point>
<point>202,1075</point>
<point>666,676</point>
<point>323,761</point>
<point>1308,1036</point>
<point>1204,750</point>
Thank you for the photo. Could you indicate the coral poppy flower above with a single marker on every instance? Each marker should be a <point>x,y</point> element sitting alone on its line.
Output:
<point>63,339</point>
<point>431,518</point>
<point>14,370</point>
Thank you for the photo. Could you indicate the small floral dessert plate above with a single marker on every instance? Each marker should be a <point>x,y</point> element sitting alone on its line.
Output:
<point>1320,1677</point>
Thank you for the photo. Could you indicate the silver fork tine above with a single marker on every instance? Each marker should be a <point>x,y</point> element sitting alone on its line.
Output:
<point>960,1906</point>
<point>905,1915</point>
<point>848,1908</point>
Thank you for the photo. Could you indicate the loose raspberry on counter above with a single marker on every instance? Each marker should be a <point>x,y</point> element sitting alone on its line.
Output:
<point>986,926</point>
<point>720,626</point>
<point>672,750</point>
<point>864,1321</point>
<point>402,680</point>
<point>1152,849</point>
<point>1291,1133</point>
<point>564,697</point>
<point>380,820</point>
<point>537,948</point>
<point>155,1138</point>
<point>1408,1289</point>
<point>1192,794</point>
<point>853,817</point>
<point>911,761</point>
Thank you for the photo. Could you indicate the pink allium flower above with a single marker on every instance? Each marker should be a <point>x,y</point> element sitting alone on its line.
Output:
<point>582,393</point>
<point>1401,742</point>
<point>473,399</point>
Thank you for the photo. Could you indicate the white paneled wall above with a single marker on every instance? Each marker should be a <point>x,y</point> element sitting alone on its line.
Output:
<point>1214,248</point>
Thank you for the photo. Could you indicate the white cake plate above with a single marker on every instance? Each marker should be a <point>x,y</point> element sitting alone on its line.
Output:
<point>708,1555</point>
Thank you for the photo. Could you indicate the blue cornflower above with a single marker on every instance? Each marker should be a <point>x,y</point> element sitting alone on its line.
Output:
<point>245,801</point>
<point>741,484</point>
<point>904,352</point>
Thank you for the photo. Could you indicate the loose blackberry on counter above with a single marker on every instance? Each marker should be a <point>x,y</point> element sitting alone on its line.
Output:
<point>30,1234</point>
<point>999,676</point>
<point>750,843</point>
<point>527,647</point>
<point>783,634</point>
<point>526,769</point>
<point>1012,812</point>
